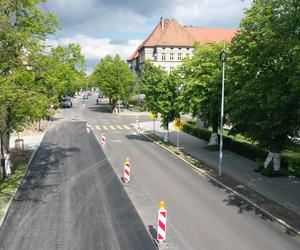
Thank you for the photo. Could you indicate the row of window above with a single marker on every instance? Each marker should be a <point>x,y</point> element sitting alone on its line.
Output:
<point>171,68</point>
<point>179,56</point>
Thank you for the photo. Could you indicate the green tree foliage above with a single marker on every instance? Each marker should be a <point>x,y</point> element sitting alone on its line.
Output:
<point>114,78</point>
<point>202,88</point>
<point>264,100</point>
<point>29,79</point>
<point>62,71</point>
<point>162,92</point>
<point>151,85</point>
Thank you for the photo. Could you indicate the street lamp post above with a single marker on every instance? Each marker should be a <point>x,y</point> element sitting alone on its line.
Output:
<point>222,59</point>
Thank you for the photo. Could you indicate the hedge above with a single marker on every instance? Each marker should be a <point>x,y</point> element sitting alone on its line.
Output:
<point>250,151</point>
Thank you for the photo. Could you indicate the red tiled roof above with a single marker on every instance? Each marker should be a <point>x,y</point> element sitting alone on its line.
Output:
<point>174,34</point>
<point>206,35</point>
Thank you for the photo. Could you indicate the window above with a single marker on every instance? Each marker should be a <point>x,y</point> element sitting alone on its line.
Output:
<point>179,56</point>
<point>171,69</point>
<point>164,68</point>
<point>172,56</point>
<point>163,56</point>
<point>187,54</point>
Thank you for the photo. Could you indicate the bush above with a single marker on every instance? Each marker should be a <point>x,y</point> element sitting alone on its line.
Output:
<point>192,129</point>
<point>290,161</point>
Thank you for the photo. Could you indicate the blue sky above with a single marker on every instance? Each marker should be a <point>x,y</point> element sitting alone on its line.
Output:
<point>103,27</point>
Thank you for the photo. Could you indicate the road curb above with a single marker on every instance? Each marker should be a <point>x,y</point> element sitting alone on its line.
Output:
<point>263,211</point>
<point>6,210</point>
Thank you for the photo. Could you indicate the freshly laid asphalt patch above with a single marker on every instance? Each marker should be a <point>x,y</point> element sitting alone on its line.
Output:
<point>72,199</point>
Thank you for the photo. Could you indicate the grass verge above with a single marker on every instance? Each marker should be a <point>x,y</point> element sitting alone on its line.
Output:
<point>9,186</point>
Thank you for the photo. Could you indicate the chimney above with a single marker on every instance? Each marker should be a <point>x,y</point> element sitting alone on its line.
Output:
<point>162,23</point>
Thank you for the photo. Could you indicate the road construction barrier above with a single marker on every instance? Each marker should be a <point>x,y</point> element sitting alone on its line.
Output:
<point>88,128</point>
<point>161,223</point>
<point>138,128</point>
<point>126,175</point>
<point>103,139</point>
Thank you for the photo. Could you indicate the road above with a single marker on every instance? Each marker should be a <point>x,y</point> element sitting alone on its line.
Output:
<point>200,214</point>
<point>72,199</point>
<point>84,188</point>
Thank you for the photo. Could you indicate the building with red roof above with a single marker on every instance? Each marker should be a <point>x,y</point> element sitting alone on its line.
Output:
<point>170,42</point>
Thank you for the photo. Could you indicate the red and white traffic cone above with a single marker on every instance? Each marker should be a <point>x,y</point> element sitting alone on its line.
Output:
<point>88,128</point>
<point>161,223</point>
<point>126,176</point>
<point>103,139</point>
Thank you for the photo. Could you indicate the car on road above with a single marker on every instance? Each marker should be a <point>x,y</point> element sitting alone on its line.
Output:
<point>85,96</point>
<point>66,102</point>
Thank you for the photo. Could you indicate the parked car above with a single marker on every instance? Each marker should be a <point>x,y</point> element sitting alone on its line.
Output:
<point>85,96</point>
<point>66,102</point>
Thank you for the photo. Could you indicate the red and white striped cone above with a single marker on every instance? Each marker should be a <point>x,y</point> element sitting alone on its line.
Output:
<point>126,176</point>
<point>103,139</point>
<point>161,223</point>
<point>136,120</point>
<point>88,128</point>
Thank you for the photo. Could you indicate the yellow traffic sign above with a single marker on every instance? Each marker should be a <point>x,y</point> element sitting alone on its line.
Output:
<point>153,116</point>
<point>177,124</point>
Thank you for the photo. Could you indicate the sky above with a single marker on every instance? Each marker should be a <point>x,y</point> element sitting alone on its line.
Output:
<point>103,27</point>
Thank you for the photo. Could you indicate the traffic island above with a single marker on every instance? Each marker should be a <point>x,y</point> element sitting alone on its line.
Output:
<point>240,195</point>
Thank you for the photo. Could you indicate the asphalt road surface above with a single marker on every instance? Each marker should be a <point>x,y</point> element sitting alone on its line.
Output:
<point>72,199</point>
<point>200,214</point>
<point>82,204</point>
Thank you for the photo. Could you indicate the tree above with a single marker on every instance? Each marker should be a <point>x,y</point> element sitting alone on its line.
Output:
<point>114,78</point>
<point>202,89</point>
<point>264,75</point>
<point>23,27</point>
<point>162,93</point>
<point>151,85</point>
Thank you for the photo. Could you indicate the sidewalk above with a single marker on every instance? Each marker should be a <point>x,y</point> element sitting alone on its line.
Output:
<point>283,190</point>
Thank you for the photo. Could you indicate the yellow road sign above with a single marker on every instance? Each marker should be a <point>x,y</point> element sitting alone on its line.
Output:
<point>153,116</point>
<point>177,124</point>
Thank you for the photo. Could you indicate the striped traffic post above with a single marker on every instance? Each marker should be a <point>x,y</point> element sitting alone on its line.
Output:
<point>138,129</point>
<point>161,223</point>
<point>88,128</point>
<point>126,175</point>
<point>103,139</point>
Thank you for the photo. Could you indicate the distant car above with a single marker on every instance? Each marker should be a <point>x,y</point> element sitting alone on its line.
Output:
<point>66,102</point>
<point>85,96</point>
<point>100,96</point>
<point>89,93</point>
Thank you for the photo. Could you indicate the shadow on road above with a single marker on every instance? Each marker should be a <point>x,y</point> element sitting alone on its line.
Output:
<point>47,161</point>
<point>137,137</point>
<point>101,108</point>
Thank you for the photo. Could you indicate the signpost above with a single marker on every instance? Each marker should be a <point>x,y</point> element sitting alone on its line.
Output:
<point>177,126</point>
<point>153,117</point>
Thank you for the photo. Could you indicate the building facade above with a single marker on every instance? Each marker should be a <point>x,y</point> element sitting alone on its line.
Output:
<point>170,42</point>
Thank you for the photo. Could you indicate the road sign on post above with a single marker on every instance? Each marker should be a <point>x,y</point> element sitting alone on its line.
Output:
<point>177,124</point>
<point>161,223</point>
<point>153,117</point>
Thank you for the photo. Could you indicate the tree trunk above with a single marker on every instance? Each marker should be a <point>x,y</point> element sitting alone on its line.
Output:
<point>166,138</point>
<point>274,159</point>
<point>213,139</point>
<point>214,135</point>
<point>4,133</point>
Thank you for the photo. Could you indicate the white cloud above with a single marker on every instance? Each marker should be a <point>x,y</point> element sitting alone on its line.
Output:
<point>97,48</point>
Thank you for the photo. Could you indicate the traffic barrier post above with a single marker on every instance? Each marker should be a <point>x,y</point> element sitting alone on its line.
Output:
<point>126,175</point>
<point>88,128</point>
<point>103,139</point>
<point>161,223</point>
